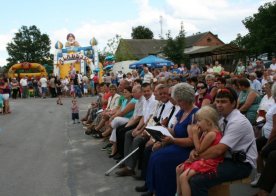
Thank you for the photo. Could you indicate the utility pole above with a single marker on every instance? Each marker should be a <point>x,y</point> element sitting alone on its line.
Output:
<point>161,26</point>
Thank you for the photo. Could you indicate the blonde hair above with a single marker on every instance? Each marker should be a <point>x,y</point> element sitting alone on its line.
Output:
<point>209,114</point>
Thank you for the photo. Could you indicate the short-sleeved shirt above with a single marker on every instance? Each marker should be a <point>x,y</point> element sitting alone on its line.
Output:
<point>138,111</point>
<point>121,99</point>
<point>149,107</point>
<point>273,67</point>
<point>266,103</point>
<point>147,77</point>
<point>267,128</point>
<point>238,135</point>
<point>124,104</point>
<point>43,82</point>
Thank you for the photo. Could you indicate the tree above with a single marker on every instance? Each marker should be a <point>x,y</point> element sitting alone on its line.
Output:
<point>29,45</point>
<point>110,48</point>
<point>262,31</point>
<point>141,32</point>
<point>174,48</point>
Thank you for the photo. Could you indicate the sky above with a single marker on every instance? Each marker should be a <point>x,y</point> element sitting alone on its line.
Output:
<point>103,19</point>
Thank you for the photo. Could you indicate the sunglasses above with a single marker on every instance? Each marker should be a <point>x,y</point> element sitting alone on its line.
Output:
<point>200,87</point>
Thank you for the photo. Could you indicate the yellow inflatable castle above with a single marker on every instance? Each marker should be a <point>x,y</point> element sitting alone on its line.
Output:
<point>73,56</point>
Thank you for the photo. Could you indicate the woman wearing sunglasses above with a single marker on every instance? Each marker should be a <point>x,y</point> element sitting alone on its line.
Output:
<point>202,98</point>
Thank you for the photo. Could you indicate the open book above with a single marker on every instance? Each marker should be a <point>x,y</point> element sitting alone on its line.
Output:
<point>99,111</point>
<point>158,132</point>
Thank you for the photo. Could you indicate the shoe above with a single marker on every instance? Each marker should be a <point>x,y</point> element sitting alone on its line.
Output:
<point>139,178</point>
<point>88,132</point>
<point>125,172</point>
<point>112,155</point>
<point>147,194</point>
<point>141,188</point>
<point>118,157</point>
<point>99,135</point>
<point>255,180</point>
<point>107,146</point>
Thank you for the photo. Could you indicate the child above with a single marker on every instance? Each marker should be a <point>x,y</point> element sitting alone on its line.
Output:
<point>75,111</point>
<point>85,89</point>
<point>207,124</point>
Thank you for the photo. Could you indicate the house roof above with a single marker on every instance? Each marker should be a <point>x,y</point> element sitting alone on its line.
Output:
<point>143,47</point>
<point>192,39</point>
<point>215,50</point>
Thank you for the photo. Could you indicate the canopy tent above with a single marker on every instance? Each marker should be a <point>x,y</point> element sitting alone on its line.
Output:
<point>96,70</point>
<point>152,61</point>
<point>108,67</point>
<point>109,58</point>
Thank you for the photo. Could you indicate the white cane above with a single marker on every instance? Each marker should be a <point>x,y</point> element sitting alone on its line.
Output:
<point>115,166</point>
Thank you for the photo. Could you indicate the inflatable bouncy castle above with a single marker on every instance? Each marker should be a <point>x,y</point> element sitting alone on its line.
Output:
<point>21,70</point>
<point>73,56</point>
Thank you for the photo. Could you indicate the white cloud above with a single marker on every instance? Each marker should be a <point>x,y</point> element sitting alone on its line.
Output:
<point>222,17</point>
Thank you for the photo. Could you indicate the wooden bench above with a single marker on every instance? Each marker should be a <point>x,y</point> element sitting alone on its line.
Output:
<point>224,188</point>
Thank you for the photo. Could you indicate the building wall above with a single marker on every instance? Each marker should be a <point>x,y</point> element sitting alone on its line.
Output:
<point>209,40</point>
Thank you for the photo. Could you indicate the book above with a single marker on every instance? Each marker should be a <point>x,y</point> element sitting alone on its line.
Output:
<point>158,132</point>
<point>99,111</point>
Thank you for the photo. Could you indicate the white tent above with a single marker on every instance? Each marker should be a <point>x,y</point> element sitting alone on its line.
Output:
<point>122,66</point>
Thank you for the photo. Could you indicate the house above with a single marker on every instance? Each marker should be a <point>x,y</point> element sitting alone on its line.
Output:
<point>140,48</point>
<point>199,47</point>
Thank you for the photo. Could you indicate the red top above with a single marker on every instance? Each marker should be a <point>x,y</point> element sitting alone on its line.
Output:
<point>106,97</point>
<point>206,165</point>
<point>96,79</point>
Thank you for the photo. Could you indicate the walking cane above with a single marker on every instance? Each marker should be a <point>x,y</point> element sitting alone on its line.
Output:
<point>115,166</point>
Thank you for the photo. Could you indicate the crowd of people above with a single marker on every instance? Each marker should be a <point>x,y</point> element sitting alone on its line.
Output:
<point>214,119</point>
<point>221,125</point>
<point>45,86</point>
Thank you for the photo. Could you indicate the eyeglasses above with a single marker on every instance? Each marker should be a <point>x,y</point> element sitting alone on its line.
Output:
<point>200,87</point>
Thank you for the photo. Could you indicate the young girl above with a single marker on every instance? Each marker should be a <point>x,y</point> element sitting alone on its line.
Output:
<point>75,111</point>
<point>205,134</point>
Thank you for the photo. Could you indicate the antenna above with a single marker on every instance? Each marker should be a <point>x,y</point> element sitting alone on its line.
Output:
<point>161,26</point>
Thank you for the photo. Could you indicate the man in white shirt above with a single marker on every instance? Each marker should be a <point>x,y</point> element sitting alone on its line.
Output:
<point>44,84</point>
<point>273,64</point>
<point>134,121</point>
<point>238,138</point>
<point>148,77</point>
<point>254,83</point>
<point>166,106</point>
<point>24,84</point>
<point>134,138</point>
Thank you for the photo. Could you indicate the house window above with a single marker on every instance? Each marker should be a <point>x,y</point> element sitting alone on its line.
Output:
<point>209,39</point>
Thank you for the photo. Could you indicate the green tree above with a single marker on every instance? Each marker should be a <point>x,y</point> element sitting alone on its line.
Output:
<point>174,49</point>
<point>29,45</point>
<point>262,30</point>
<point>141,32</point>
<point>112,45</point>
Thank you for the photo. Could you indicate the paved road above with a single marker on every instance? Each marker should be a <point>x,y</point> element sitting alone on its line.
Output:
<point>43,153</point>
